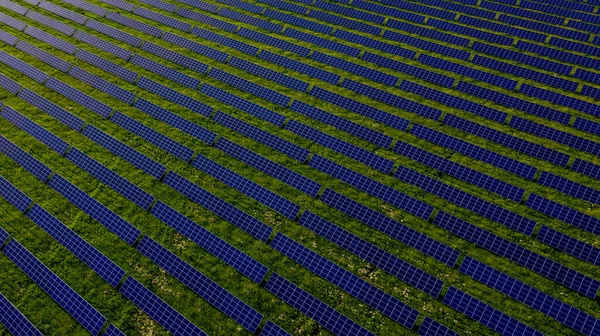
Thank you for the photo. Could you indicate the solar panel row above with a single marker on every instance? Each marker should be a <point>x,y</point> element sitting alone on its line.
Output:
<point>251,87</point>
<point>49,22</point>
<point>226,41</point>
<point>22,67</point>
<point>299,67</point>
<point>196,47</point>
<point>79,97</point>
<point>356,69</point>
<point>569,187</point>
<point>226,26</point>
<point>102,85</point>
<point>174,96</point>
<point>586,168</point>
<point>102,45</point>
<point>276,42</point>
<point>135,24</point>
<point>13,320</point>
<point>12,22</point>
<point>272,75</point>
<point>63,12</point>
<point>272,329</point>
<point>52,109</point>
<point>50,39</point>
<point>25,160</point>
<point>570,245</point>
<point>322,42</point>
<point>163,19</point>
<point>560,99</point>
<point>87,7</point>
<point>297,21</point>
<point>114,33</point>
<point>174,57</point>
<point>415,71</point>
<point>430,327</point>
<point>49,139</point>
<point>564,213</point>
<point>107,66</point>
<point>15,197</point>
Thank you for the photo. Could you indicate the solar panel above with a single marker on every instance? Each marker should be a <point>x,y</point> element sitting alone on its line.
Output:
<point>459,171</point>
<point>44,56</point>
<point>518,168</point>
<point>360,108</point>
<point>15,322</point>
<point>343,124</point>
<point>531,296</point>
<point>313,307</point>
<point>15,197</point>
<point>87,6</point>
<point>3,236</point>
<point>586,168</point>
<point>357,153</point>
<point>52,109</point>
<point>551,29</point>
<point>113,331</point>
<point>226,41</point>
<point>56,288</point>
<point>243,5</point>
<point>570,245</point>
<point>559,54</point>
<point>50,39</point>
<point>163,19</point>
<point>226,26</point>
<point>49,22</point>
<point>520,12</point>
<point>201,284</point>
<point>196,47</point>
<point>135,24</point>
<point>272,329</point>
<point>468,31</point>
<point>221,208</point>
<point>166,72</point>
<point>285,6</point>
<point>590,92</point>
<point>373,254</point>
<point>120,4</point>
<point>518,254</point>
<point>201,5</point>
<point>415,7</point>
<point>13,7</point>
<point>403,67</point>
<point>9,85</point>
<point>175,96</point>
<point>46,137</point>
<point>322,42</point>
<point>22,67</point>
<point>25,160</point>
<point>351,12</point>
<point>430,327</point>
<point>564,213</point>
<point>11,22</point>
<point>487,315</point>
<point>263,72</point>
<point>272,41</point>
<point>79,97</point>
<point>246,265</point>
<point>125,152</point>
<point>372,187</point>
<point>502,28</point>
<point>283,146</point>
<point>533,61</point>
<point>373,7</point>
<point>250,87</point>
<point>391,99</point>
<point>94,259</point>
<point>110,178</point>
<point>114,33</point>
<point>264,24</point>
<point>356,69</point>
<point>466,200</point>
<point>569,187</point>
<point>160,4</point>
<point>298,21</point>
<point>95,209</point>
<point>158,309</point>
<point>102,45</point>
<point>587,76</point>
<point>107,66</point>
<point>174,57</point>
<point>246,186</point>
<point>299,67</point>
<point>340,21</point>
<point>63,12</point>
<point>560,99</point>
<point>103,85</point>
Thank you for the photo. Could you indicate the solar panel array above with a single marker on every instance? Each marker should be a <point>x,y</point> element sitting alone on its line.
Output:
<point>14,321</point>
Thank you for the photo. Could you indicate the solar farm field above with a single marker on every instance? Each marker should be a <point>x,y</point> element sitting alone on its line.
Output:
<point>299,167</point>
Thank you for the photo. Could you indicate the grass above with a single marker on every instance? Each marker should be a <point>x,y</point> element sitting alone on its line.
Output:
<point>51,319</point>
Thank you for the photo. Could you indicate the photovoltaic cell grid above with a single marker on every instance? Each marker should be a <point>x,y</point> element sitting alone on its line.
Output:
<point>570,245</point>
<point>14,196</point>
<point>44,56</point>
<point>564,213</point>
<point>25,160</point>
<point>16,323</point>
<point>272,329</point>
<point>430,327</point>
<point>64,295</point>
<point>113,331</point>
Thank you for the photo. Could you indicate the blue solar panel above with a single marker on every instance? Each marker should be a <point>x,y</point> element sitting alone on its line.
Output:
<point>290,149</point>
<point>158,309</point>
<point>22,67</point>
<point>486,315</point>
<point>87,7</point>
<point>243,104</point>
<point>559,55</point>
<point>49,22</point>
<point>313,307</point>
<point>468,31</point>
<point>63,12</point>
<point>372,187</point>
<point>175,96</point>
<point>564,213</point>
<point>466,200</point>
<point>415,7</point>
<point>459,171</point>
<point>518,254</point>
<point>246,186</point>
<point>355,286</point>
<point>243,5</point>
<point>52,109</point>
<point>250,87</point>
<point>299,67</point>
<point>44,56</point>
<point>285,6</point>
<point>102,45</point>
<point>14,196</point>
<point>113,331</point>
<point>340,21</point>
<point>110,178</point>
<point>551,29</point>
<point>531,296</point>
<point>275,76</point>
<point>587,125</point>
<point>510,141</point>
<point>94,259</point>
<point>520,12</point>
<point>125,152</point>
<point>13,7</point>
<point>102,85</point>
<point>356,69</point>
<point>10,85</point>
<point>427,32</point>
<point>64,295</point>
<point>95,209</point>
<point>221,208</point>
<point>323,42</point>
<point>210,242</point>
<point>343,124</point>
<point>373,254</point>
<point>237,16</point>
<point>537,62</point>
<point>201,5</point>
<point>570,245</point>
<point>586,168</point>
<point>79,97</point>
<point>114,33</point>
<point>8,38</point>
<point>373,7</point>
<point>24,159</point>
<point>587,76</point>
<point>137,25</point>
<point>502,28</point>
<point>3,236</point>
<point>357,153</point>
<point>272,329</point>
<point>107,66</point>
<point>590,92</point>
<point>560,99</point>
<point>196,47</point>
<point>569,187</point>
<point>166,20</point>
<point>120,4</point>
<point>272,41</point>
<point>12,22</point>
<point>430,327</point>
<point>226,26</point>
<point>415,71</point>
<point>298,21</point>
<point>15,322</point>
<point>174,57</point>
<point>226,41</point>
<point>160,4</point>
<point>201,284</point>
<point>391,227</point>
<point>346,11</point>
<point>50,39</point>
<point>360,108</point>
<point>46,137</point>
